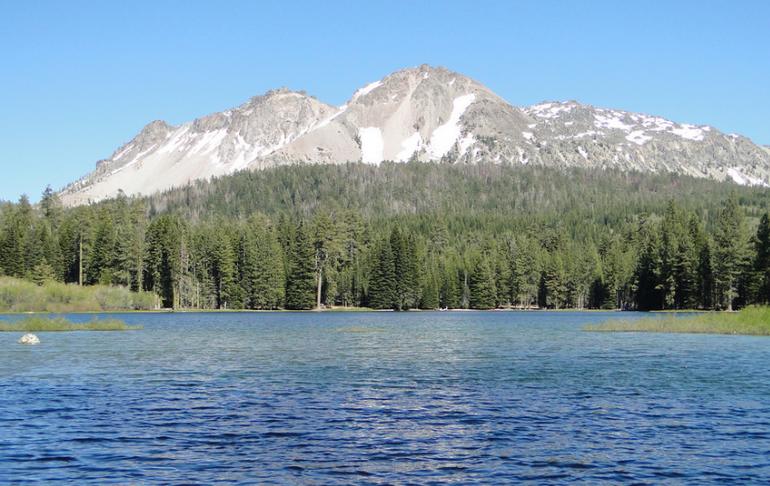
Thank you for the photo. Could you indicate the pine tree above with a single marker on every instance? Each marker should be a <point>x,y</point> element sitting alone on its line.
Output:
<point>449,292</point>
<point>553,285</point>
<point>730,252</point>
<point>162,260</point>
<point>503,278</point>
<point>15,239</point>
<point>762,259</point>
<point>525,273</point>
<point>405,270</point>
<point>382,285</point>
<point>228,294</point>
<point>101,258</point>
<point>51,207</point>
<point>301,281</point>
<point>483,294</point>
<point>262,267</point>
<point>430,294</point>
<point>706,276</point>
<point>647,276</point>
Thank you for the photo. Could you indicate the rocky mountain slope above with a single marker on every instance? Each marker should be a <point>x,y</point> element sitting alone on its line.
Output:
<point>423,113</point>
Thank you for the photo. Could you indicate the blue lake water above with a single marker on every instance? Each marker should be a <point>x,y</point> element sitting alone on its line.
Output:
<point>375,398</point>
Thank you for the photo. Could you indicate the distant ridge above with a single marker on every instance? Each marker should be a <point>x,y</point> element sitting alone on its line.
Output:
<point>424,113</point>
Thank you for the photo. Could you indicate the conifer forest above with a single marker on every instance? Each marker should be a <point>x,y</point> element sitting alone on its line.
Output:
<point>409,236</point>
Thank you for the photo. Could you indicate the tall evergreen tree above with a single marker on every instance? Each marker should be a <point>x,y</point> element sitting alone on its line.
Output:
<point>301,281</point>
<point>483,294</point>
<point>228,293</point>
<point>382,285</point>
<point>162,260</point>
<point>648,285</point>
<point>406,291</point>
<point>450,296</point>
<point>762,260</point>
<point>730,252</point>
<point>262,267</point>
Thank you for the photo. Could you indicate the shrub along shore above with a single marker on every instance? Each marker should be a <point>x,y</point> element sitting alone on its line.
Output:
<point>753,321</point>
<point>17,295</point>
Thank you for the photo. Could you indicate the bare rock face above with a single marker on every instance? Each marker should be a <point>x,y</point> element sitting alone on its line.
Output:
<point>426,114</point>
<point>29,339</point>
<point>162,156</point>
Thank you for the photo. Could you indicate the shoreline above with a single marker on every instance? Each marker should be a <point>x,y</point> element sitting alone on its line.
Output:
<point>362,310</point>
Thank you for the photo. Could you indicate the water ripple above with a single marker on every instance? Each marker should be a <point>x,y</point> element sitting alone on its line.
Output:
<point>465,398</point>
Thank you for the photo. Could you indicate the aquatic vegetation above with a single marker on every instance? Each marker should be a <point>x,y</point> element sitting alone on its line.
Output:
<point>360,329</point>
<point>56,324</point>
<point>754,321</point>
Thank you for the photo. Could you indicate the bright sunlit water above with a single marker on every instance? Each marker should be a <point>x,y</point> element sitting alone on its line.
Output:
<point>368,398</point>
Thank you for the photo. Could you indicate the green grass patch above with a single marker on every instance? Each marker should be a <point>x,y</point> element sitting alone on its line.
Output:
<point>18,295</point>
<point>751,321</point>
<point>57,324</point>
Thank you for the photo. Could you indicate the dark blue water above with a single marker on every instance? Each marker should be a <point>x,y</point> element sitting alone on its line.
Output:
<point>383,398</point>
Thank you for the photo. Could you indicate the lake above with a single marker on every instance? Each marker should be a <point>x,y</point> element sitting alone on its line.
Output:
<point>375,398</point>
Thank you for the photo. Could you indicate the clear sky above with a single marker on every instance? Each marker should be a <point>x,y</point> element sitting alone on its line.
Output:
<point>78,79</point>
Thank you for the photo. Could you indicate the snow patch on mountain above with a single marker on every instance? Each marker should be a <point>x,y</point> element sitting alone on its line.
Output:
<point>409,146</point>
<point>638,137</point>
<point>745,180</point>
<point>690,132</point>
<point>444,137</point>
<point>612,120</point>
<point>550,110</point>
<point>372,145</point>
<point>367,89</point>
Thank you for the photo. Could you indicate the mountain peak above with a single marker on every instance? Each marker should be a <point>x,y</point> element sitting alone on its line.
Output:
<point>426,113</point>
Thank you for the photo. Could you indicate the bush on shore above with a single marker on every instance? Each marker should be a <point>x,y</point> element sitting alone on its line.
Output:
<point>18,295</point>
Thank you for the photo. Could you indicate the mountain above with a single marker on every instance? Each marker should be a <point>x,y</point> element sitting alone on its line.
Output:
<point>425,114</point>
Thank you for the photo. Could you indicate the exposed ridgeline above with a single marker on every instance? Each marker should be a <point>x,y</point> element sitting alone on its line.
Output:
<point>411,235</point>
<point>427,114</point>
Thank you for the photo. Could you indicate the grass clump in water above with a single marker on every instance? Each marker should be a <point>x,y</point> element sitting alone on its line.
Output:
<point>359,329</point>
<point>58,324</point>
<point>751,321</point>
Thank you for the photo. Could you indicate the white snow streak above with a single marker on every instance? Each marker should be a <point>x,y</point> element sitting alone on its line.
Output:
<point>367,89</point>
<point>743,179</point>
<point>371,145</point>
<point>328,120</point>
<point>409,146</point>
<point>444,137</point>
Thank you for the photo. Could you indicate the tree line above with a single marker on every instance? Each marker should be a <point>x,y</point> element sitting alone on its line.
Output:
<point>575,252</point>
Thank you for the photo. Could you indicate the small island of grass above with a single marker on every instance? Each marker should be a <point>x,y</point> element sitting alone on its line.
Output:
<point>751,321</point>
<point>60,324</point>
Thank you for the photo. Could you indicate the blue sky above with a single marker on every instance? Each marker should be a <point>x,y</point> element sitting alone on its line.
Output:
<point>78,79</point>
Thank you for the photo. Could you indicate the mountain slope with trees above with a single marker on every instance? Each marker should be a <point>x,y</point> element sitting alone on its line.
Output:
<point>413,235</point>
